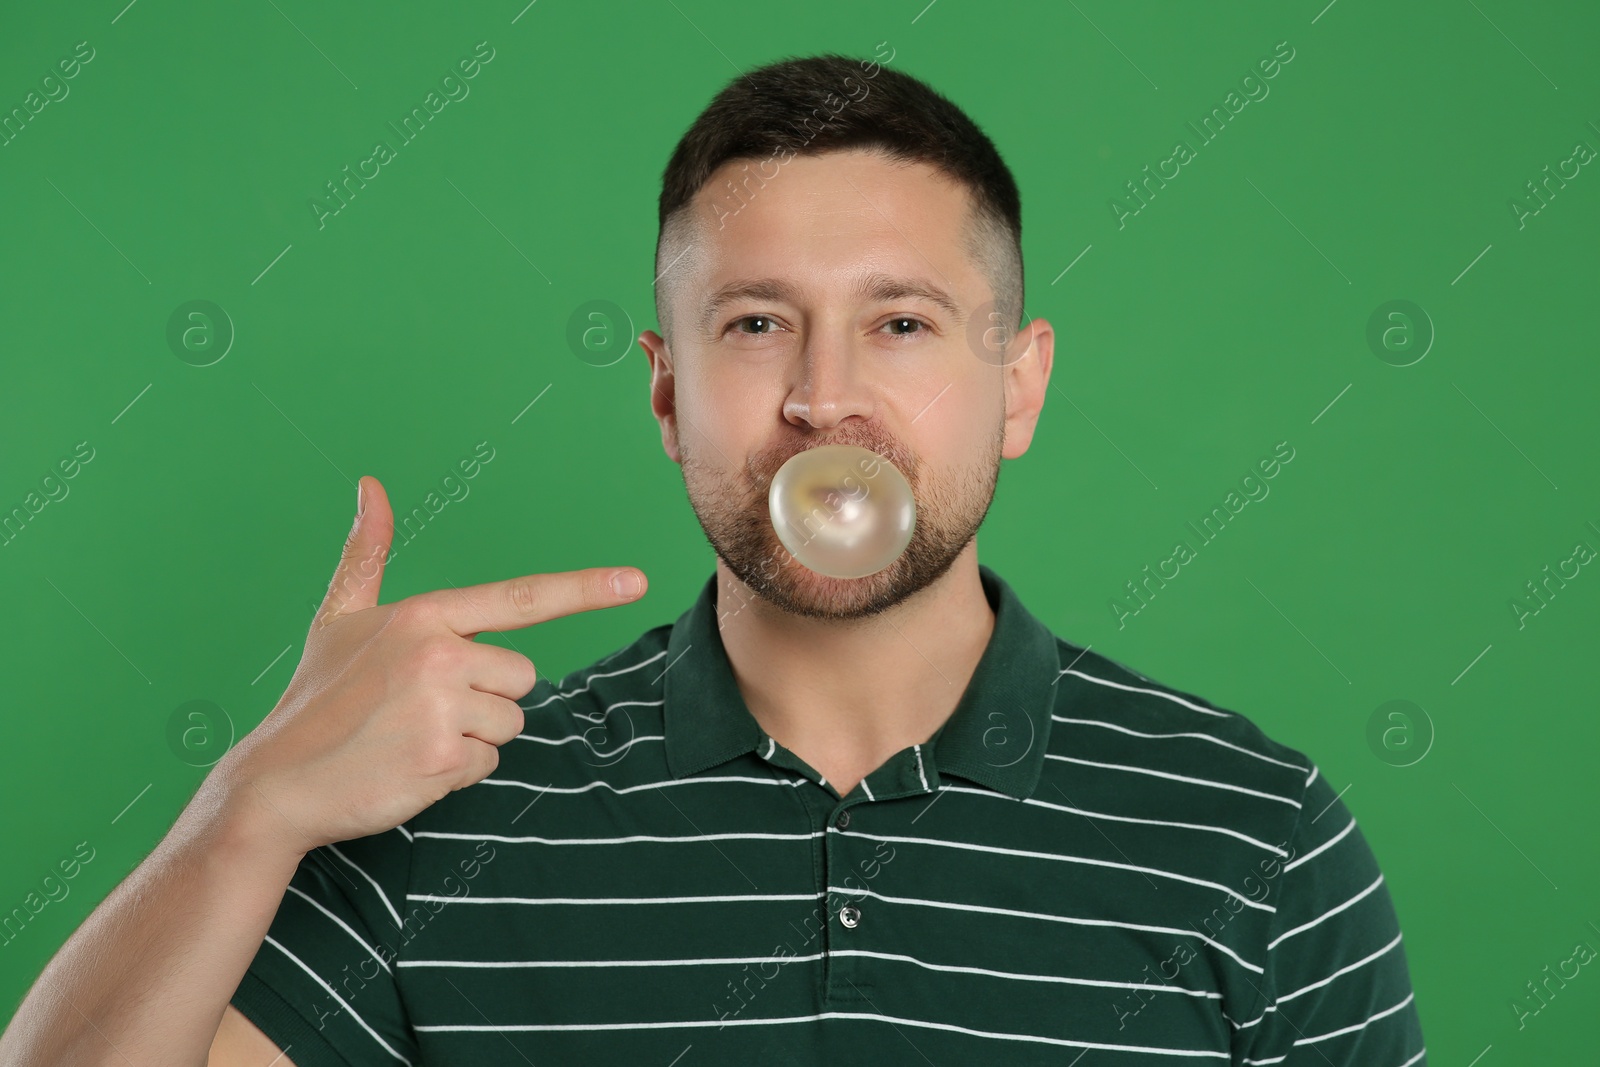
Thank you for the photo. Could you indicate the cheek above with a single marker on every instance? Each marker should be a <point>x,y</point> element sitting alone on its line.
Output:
<point>953,435</point>
<point>741,406</point>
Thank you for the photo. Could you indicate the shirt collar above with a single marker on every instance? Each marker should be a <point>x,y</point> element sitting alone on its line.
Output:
<point>996,736</point>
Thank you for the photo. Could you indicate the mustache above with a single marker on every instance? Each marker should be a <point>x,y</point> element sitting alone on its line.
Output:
<point>762,466</point>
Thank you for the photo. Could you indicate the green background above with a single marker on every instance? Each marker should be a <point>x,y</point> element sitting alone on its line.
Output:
<point>1230,314</point>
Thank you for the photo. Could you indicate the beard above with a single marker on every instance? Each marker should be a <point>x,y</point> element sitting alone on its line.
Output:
<point>733,512</point>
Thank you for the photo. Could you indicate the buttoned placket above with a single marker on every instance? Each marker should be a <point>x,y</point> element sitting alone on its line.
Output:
<point>846,858</point>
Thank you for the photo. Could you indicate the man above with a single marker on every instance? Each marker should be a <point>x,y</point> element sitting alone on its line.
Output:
<point>890,819</point>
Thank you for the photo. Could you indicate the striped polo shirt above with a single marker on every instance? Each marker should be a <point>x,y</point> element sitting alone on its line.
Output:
<point>1080,863</point>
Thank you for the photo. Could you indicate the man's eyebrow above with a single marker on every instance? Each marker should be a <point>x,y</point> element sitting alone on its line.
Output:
<point>773,289</point>
<point>876,286</point>
<point>883,287</point>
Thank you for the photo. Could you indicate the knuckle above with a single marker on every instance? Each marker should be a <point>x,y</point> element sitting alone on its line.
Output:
<point>437,714</point>
<point>439,755</point>
<point>359,558</point>
<point>433,656</point>
<point>529,676</point>
<point>352,542</point>
<point>524,595</point>
<point>491,763</point>
<point>481,769</point>
<point>412,611</point>
<point>516,719</point>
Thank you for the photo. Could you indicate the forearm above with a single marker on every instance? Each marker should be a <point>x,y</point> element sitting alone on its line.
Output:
<point>148,975</point>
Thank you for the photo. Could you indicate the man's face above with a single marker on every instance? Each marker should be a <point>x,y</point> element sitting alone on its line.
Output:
<point>820,354</point>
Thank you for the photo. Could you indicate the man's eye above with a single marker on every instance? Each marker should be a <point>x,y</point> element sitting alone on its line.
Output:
<point>906,320</point>
<point>735,324</point>
<point>900,326</point>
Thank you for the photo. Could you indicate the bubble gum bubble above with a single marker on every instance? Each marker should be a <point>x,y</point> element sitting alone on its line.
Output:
<point>841,510</point>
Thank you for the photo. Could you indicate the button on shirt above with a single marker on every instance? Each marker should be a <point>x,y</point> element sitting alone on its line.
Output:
<point>1081,861</point>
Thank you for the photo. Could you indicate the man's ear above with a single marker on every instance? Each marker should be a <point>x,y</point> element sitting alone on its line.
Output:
<point>1026,378</point>
<point>663,393</point>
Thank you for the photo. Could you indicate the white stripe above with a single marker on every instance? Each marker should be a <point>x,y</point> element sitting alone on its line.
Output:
<point>797,781</point>
<point>404,832</point>
<point>1152,692</point>
<point>1103,815</point>
<point>1176,777</point>
<point>717,899</point>
<point>920,773</point>
<point>1342,970</point>
<point>817,898</point>
<point>392,913</point>
<point>558,695</point>
<point>1253,1022</point>
<point>1329,843</point>
<point>1414,1059</point>
<point>1202,993</point>
<point>1029,854</point>
<point>1203,737</point>
<point>694,779</point>
<point>867,789</point>
<point>526,964</point>
<point>629,839</point>
<point>579,737</point>
<point>772,746</point>
<point>1117,818</point>
<point>1316,985</point>
<point>1074,920</point>
<point>1325,915</point>
<point>1358,1026</point>
<point>343,925</point>
<point>959,789</point>
<point>318,979</point>
<point>578,964</point>
<point>600,716</point>
<point>893,1020</point>
<point>1312,776</point>
<point>691,780</point>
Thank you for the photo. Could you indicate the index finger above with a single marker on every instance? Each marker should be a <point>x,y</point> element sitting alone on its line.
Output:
<point>530,599</point>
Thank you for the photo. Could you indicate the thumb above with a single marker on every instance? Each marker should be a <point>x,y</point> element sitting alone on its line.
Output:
<point>359,575</point>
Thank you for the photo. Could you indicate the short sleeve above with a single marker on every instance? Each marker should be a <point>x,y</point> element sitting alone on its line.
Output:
<point>322,986</point>
<point>1335,989</point>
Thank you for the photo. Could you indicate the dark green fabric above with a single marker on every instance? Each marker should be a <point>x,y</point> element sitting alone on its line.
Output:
<point>1080,862</point>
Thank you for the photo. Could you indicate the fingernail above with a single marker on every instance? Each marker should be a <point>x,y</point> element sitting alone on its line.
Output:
<point>361,497</point>
<point>625,584</point>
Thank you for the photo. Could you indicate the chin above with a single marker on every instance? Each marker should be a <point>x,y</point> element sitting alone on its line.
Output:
<point>797,589</point>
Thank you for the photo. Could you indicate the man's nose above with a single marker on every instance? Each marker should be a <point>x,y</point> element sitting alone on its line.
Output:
<point>833,382</point>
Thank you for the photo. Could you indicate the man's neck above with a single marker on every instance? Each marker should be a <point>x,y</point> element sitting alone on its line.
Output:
<point>845,697</point>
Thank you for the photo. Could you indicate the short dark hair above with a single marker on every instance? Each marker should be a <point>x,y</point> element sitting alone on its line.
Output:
<point>807,106</point>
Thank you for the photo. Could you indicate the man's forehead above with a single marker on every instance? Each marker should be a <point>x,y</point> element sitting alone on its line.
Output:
<point>840,221</point>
